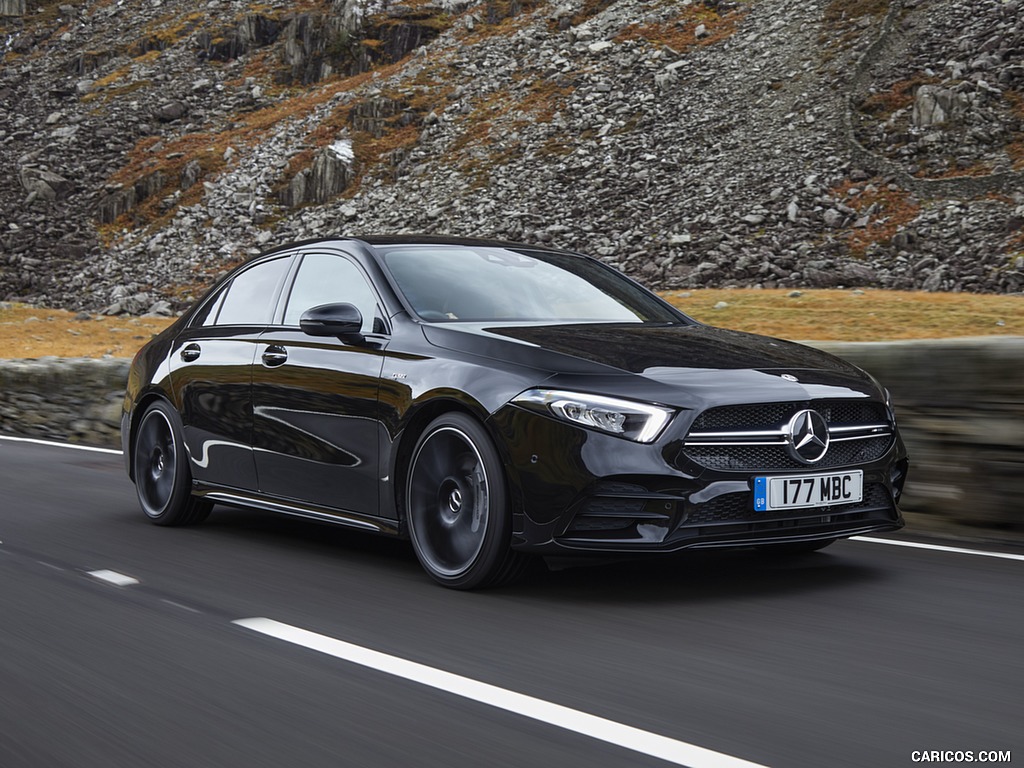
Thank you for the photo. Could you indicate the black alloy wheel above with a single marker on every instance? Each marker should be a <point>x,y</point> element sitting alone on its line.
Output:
<point>457,507</point>
<point>163,481</point>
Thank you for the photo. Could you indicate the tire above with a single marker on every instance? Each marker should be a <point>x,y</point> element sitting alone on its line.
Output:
<point>456,506</point>
<point>163,481</point>
<point>794,548</point>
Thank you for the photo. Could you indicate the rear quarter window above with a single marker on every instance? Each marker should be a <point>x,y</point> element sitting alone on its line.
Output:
<point>250,298</point>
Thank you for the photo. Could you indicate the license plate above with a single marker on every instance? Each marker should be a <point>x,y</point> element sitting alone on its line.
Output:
<point>801,491</point>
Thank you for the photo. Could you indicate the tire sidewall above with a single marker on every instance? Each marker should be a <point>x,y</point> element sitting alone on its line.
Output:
<point>499,523</point>
<point>181,488</point>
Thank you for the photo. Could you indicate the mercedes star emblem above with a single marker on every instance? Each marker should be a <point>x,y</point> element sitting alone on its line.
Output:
<point>807,437</point>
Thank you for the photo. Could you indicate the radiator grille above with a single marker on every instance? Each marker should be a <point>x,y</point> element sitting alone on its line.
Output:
<point>749,438</point>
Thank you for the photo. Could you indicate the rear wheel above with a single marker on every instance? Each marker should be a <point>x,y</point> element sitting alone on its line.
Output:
<point>163,481</point>
<point>457,507</point>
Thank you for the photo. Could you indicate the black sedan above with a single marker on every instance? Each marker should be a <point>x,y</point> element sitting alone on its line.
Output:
<point>492,401</point>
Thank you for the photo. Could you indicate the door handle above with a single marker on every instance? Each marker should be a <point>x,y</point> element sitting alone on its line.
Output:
<point>191,353</point>
<point>274,355</point>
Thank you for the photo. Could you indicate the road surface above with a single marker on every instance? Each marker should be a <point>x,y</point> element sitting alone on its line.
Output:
<point>256,640</point>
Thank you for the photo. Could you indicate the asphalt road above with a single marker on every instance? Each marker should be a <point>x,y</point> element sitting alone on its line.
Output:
<point>856,656</point>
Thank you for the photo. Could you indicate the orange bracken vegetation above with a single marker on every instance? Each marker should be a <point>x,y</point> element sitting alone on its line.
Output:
<point>842,12</point>
<point>1015,149</point>
<point>490,136</point>
<point>900,95</point>
<point>893,209</point>
<point>151,155</point>
<point>678,33</point>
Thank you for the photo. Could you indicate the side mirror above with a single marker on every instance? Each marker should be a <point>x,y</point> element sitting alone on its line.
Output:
<point>338,320</point>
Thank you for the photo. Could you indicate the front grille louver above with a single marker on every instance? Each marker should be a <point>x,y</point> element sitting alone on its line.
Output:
<point>751,438</point>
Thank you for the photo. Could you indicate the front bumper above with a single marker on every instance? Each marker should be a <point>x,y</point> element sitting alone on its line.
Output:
<point>578,490</point>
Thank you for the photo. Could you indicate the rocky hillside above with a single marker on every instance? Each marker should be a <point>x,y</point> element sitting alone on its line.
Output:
<point>145,145</point>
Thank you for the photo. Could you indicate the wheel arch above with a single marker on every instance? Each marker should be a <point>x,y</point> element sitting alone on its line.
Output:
<point>141,406</point>
<point>416,423</point>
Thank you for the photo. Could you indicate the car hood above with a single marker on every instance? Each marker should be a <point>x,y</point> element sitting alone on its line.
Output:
<point>691,365</point>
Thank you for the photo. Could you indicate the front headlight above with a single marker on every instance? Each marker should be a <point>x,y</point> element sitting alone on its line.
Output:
<point>641,422</point>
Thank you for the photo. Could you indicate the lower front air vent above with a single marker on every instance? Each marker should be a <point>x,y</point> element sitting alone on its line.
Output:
<point>622,512</point>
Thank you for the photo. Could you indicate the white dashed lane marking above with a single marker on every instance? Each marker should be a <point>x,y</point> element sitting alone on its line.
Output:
<point>113,577</point>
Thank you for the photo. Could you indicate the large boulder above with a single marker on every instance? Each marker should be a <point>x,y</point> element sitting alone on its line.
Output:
<point>12,8</point>
<point>328,175</point>
<point>44,185</point>
<point>934,105</point>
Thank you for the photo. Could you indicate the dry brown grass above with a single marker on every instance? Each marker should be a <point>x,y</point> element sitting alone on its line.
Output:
<point>490,133</point>
<point>423,13</point>
<point>841,27</point>
<point>872,315</point>
<point>511,111</point>
<point>899,96</point>
<point>678,33</point>
<point>815,315</point>
<point>955,171</point>
<point>501,18</point>
<point>56,332</point>
<point>1015,148</point>
<point>371,150</point>
<point>589,9</point>
<point>893,209</point>
<point>841,12</point>
<point>1015,244</point>
<point>113,77</point>
<point>169,29</point>
<point>151,154</point>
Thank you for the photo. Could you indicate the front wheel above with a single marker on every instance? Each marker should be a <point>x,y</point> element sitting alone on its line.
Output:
<point>163,481</point>
<point>457,508</point>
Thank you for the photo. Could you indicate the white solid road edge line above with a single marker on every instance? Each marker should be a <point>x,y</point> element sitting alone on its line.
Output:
<point>647,743</point>
<point>55,444</point>
<point>938,547</point>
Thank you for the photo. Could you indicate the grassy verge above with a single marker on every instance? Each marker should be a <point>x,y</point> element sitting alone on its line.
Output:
<point>811,315</point>
<point>34,332</point>
<point>856,315</point>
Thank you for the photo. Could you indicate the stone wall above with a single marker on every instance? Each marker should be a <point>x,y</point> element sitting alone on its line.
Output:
<point>72,399</point>
<point>960,405</point>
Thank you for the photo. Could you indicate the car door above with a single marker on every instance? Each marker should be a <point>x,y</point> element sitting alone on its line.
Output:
<point>211,374</point>
<point>315,399</point>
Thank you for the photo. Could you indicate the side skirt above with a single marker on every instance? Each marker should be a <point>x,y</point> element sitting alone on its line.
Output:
<point>237,498</point>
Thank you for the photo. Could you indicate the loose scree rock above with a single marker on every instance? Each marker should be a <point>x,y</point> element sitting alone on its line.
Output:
<point>786,143</point>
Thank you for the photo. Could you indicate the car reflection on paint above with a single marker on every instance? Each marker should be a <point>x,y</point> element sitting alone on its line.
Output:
<point>492,402</point>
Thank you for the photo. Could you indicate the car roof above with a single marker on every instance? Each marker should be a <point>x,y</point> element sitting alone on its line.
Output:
<point>385,240</point>
<point>444,240</point>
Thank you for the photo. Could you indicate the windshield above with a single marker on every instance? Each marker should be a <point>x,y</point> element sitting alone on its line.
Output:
<point>479,284</point>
